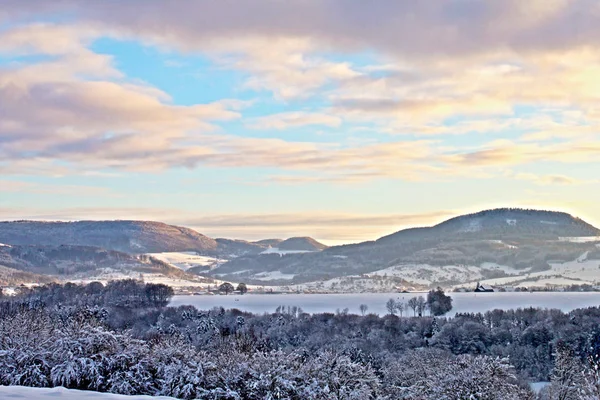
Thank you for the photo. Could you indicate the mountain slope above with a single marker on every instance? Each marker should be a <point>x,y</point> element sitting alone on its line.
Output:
<point>520,240</point>
<point>268,242</point>
<point>15,277</point>
<point>301,244</point>
<point>234,248</point>
<point>127,236</point>
<point>502,223</point>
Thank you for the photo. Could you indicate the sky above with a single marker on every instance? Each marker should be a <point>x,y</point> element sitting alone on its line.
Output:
<point>343,120</point>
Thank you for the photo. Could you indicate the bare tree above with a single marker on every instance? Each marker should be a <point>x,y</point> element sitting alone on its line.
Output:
<point>363,308</point>
<point>391,306</point>
<point>413,303</point>
<point>400,307</point>
<point>421,305</point>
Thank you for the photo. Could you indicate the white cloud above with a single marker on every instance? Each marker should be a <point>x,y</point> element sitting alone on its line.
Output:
<point>297,119</point>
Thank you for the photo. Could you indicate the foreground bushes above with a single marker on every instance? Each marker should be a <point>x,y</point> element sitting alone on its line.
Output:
<point>104,338</point>
<point>41,351</point>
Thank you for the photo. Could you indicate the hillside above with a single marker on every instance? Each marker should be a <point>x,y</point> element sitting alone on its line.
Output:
<point>132,237</point>
<point>502,223</point>
<point>230,248</point>
<point>301,244</point>
<point>521,241</point>
<point>68,262</point>
<point>509,244</point>
<point>15,277</point>
<point>268,242</point>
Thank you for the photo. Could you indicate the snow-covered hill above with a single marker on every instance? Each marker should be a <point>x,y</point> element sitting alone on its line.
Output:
<point>456,251</point>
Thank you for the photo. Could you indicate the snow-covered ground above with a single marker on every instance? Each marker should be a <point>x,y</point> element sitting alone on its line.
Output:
<point>146,277</point>
<point>273,275</point>
<point>186,260</point>
<point>28,393</point>
<point>473,226</point>
<point>462,302</point>
<point>579,271</point>
<point>503,244</point>
<point>425,274</point>
<point>580,239</point>
<point>275,250</point>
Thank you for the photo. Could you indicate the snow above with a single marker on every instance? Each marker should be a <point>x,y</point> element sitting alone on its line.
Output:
<point>462,302</point>
<point>548,223</point>
<point>472,226</point>
<point>583,257</point>
<point>504,268</point>
<point>426,274</point>
<point>21,392</point>
<point>273,275</point>
<point>275,250</point>
<point>511,222</point>
<point>186,260</point>
<point>146,277</point>
<point>538,386</point>
<point>580,239</point>
<point>500,242</point>
<point>5,245</point>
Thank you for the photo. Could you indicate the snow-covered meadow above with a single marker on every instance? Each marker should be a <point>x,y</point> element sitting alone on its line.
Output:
<point>462,302</point>
<point>186,260</point>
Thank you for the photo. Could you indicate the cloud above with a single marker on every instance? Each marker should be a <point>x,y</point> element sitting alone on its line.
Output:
<point>105,122</point>
<point>545,180</point>
<point>506,153</point>
<point>467,60</point>
<point>14,186</point>
<point>432,29</point>
<point>297,119</point>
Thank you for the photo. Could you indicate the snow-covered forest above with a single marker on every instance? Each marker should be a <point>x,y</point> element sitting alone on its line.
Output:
<point>122,338</point>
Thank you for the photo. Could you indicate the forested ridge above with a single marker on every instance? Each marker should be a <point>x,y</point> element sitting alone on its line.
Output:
<point>122,338</point>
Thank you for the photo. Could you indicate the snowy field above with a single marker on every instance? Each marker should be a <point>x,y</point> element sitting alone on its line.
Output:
<point>186,260</point>
<point>275,250</point>
<point>20,392</point>
<point>462,302</point>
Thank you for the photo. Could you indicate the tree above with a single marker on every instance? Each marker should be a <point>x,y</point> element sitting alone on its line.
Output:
<point>158,294</point>
<point>391,306</point>
<point>226,287</point>
<point>568,381</point>
<point>413,303</point>
<point>421,305</point>
<point>363,308</point>
<point>242,288</point>
<point>400,307</point>
<point>438,302</point>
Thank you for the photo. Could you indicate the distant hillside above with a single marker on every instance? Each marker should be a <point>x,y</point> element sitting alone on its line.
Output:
<point>268,242</point>
<point>128,236</point>
<point>502,223</point>
<point>301,244</point>
<point>521,240</point>
<point>15,277</point>
<point>228,248</point>
<point>68,261</point>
